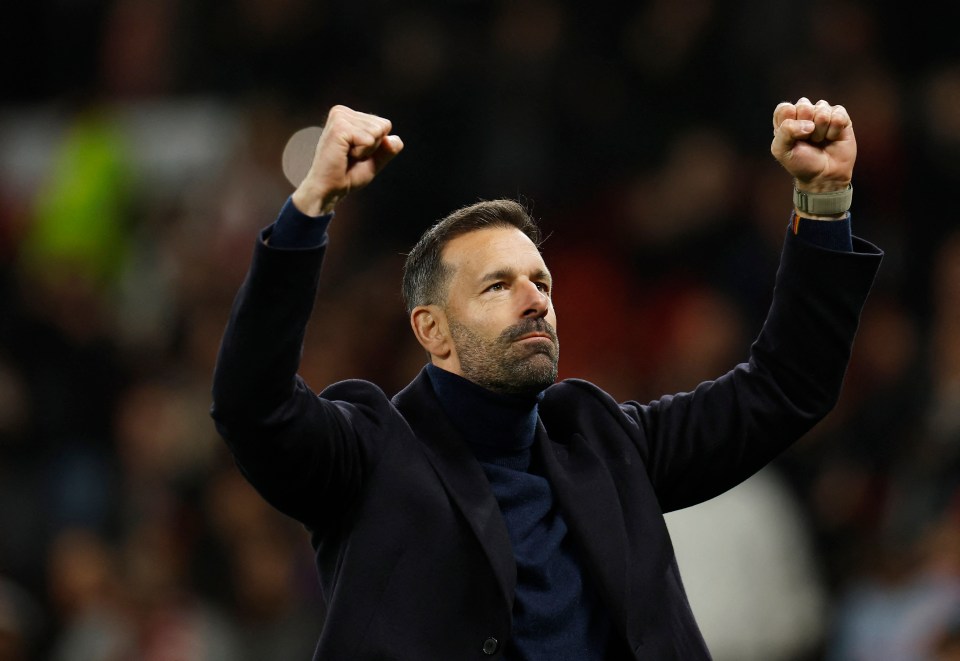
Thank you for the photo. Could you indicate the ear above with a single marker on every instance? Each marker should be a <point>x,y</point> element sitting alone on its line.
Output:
<point>429,325</point>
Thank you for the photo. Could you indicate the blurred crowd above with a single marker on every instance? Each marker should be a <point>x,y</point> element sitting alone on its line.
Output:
<point>140,149</point>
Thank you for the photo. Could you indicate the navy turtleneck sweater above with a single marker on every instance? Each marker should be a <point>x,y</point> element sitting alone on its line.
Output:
<point>555,614</point>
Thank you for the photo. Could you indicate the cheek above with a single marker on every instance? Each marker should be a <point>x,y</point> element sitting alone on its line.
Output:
<point>484,322</point>
<point>488,313</point>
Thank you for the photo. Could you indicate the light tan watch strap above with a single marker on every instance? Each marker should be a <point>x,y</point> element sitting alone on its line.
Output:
<point>823,204</point>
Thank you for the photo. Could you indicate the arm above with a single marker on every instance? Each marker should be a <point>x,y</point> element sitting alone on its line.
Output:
<point>296,447</point>
<point>701,443</point>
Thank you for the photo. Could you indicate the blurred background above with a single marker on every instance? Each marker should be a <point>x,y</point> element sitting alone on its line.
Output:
<point>140,146</point>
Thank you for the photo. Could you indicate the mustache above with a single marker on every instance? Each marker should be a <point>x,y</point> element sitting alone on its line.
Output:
<point>539,325</point>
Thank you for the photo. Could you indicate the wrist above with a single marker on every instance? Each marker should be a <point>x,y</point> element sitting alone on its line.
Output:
<point>821,204</point>
<point>312,202</point>
<point>821,186</point>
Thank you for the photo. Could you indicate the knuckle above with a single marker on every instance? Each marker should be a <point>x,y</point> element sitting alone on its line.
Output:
<point>338,113</point>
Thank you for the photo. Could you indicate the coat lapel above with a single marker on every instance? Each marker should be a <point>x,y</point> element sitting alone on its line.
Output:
<point>462,477</point>
<point>591,508</point>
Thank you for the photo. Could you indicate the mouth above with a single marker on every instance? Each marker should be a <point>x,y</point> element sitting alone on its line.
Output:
<point>534,336</point>
<point>533,333</point>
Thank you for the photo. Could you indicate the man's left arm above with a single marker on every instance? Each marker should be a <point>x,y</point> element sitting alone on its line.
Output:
<point>701,443</point>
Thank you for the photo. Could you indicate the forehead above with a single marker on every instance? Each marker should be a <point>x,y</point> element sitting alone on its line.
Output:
<point>493,248</point>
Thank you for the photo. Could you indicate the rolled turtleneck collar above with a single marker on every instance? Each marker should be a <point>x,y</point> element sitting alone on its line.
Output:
<point>499,428</point>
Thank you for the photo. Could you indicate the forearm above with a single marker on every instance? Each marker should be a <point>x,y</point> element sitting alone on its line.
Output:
<point>809,331</point>
<point>832,234</point>
<point>295,230</point>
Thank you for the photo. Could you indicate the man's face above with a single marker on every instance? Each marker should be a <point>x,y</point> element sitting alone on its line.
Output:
<point>499,312</point>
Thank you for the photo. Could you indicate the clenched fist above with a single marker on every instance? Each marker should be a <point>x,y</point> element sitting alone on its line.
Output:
<point>352,149</point>
<point>815,143</point>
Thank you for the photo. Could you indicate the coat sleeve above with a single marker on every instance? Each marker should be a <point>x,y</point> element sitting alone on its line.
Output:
<point>306,454</point>
<point>697,445</point>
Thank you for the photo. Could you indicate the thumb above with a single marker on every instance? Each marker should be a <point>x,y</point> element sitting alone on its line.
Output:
<point>389,147</point>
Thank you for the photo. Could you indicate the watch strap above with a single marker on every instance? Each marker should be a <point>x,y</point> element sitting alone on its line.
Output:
<point>823,204</point>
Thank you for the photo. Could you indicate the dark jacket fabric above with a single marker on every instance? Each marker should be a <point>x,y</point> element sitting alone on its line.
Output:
<point>413,555</point>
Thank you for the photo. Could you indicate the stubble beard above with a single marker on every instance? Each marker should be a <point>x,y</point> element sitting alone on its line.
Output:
<point>504,366</point>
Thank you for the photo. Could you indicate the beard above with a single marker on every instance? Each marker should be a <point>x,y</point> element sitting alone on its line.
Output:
<point>501,365</point>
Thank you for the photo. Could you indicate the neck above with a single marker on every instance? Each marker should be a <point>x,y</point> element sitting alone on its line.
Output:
<point>487,420</point>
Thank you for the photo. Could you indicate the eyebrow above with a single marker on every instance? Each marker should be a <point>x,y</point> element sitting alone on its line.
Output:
<point>507,273</point>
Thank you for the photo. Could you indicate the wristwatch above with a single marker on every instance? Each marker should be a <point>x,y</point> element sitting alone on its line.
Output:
<point>823,204</point>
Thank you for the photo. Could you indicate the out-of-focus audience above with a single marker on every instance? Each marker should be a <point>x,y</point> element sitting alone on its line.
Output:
<point>140,154</point>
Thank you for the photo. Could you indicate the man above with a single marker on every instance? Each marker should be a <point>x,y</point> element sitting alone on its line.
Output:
<point>484,511</point>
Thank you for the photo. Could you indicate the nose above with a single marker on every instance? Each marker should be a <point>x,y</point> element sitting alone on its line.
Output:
<point>536,303</point>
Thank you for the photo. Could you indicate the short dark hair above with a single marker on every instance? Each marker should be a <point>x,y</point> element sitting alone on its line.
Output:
<point>425,276</point>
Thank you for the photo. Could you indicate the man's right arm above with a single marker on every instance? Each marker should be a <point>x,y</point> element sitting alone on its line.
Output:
<point>292,445</point>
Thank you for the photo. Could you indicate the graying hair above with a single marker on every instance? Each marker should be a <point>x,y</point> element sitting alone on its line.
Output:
<point>426,277</point>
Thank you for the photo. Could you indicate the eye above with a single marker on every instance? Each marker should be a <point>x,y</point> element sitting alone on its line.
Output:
<point>497,286</point>
<point>544,287</point>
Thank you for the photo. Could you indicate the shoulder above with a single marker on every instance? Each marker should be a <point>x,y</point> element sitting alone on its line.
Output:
<point>582,404</point>
<point>354,389</point>
<point>361,403</point>
<point>574,389</point>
